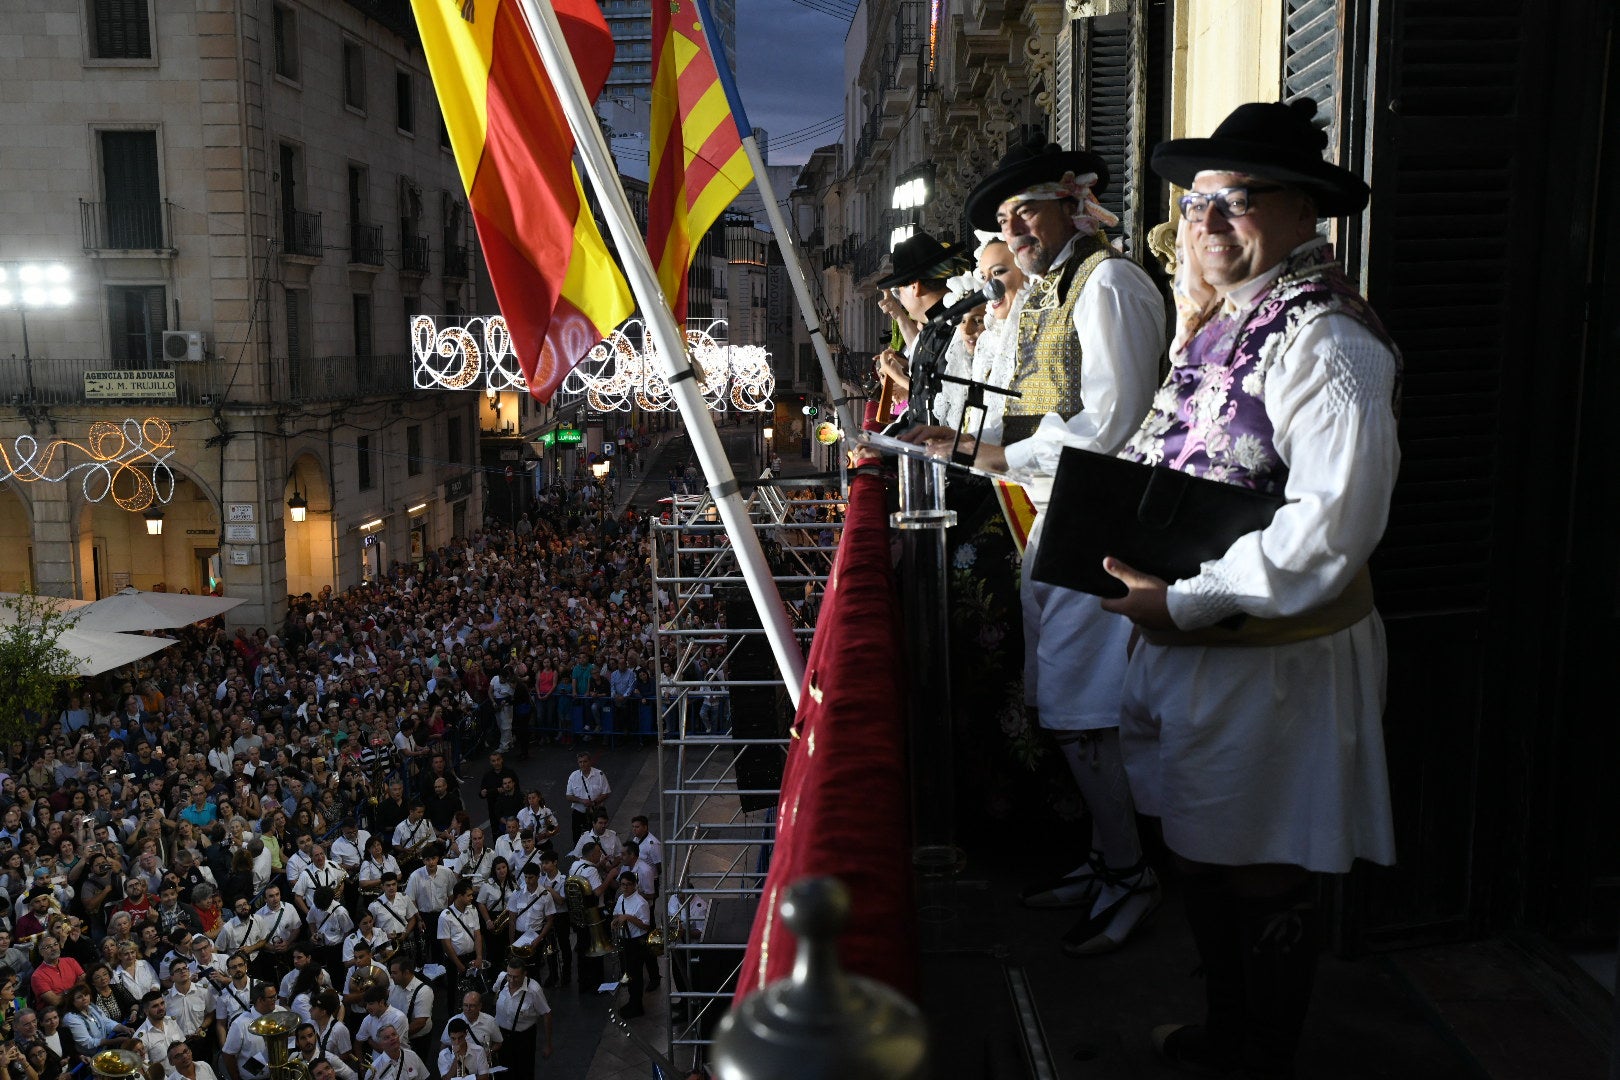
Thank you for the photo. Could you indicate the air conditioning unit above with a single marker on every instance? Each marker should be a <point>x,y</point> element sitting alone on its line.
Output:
<point>180,346</point>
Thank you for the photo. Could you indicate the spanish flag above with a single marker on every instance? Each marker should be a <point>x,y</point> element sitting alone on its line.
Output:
<point>556,284</point>
<point>697,165</point>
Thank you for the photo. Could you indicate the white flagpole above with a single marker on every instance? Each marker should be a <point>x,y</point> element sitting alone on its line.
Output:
<point>847,419</point>
<point>723,486</point>
<point>801,285</point>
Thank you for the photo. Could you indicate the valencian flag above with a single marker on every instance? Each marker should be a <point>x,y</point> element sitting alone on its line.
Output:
<point>557,286</point>
<point>697,165</point>
<point>845,809</point>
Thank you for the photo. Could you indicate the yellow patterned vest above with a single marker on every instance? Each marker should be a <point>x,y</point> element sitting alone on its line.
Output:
<point>1048,374</point>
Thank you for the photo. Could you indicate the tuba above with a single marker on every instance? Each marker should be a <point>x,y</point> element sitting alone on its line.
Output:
<point>274,1028</point>
<point>586,914</point>
<point>115,1064</point>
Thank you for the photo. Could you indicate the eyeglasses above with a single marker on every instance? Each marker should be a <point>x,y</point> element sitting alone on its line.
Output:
<point>1232,202</point>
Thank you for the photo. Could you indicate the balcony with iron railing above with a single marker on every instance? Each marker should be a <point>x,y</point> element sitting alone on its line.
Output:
<point>413,254</point>
<point>338,378</point>
<point>112,382</point>
<point>365,244</point>
<point>866,259</point>
<point>126,225</point>
<point>301,234</point>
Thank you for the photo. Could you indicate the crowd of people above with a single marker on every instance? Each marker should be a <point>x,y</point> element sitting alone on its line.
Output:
<point>276,822</point>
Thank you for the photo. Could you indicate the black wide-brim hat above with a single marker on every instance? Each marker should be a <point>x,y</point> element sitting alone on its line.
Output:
<point>1270,140</point>
<point>1022,168</point>
<point>920,257</point>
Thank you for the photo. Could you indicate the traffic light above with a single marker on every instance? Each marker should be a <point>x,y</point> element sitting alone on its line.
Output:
<point>812,410</point>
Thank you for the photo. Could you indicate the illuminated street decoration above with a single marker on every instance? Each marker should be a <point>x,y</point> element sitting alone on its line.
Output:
<point>128,462</point>
<point>618,374</point>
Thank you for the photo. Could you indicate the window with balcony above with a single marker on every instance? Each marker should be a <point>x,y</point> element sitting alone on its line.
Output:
<point>361,305</point>
<point>121,29</point>
<point>298,324</point>
<point>135,322</point>
<point>300,229</point>
<point>354,75</point>
<point>284,33</point>
<point>131,217</point>
<point>365,239</point>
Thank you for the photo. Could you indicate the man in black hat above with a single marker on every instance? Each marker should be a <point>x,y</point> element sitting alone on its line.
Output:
<point>1252,711</point>
<point>1090,336</point>
<point>917,282</point>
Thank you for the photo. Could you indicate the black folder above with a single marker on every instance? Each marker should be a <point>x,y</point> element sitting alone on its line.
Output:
<point>1157,520</point>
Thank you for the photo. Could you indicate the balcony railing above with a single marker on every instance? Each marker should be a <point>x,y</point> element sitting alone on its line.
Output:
<point>413,254</point>
<point>137,382</point>
<point>365,244</point>
<point>301,234</point>
<point>339,378</point>
<point>455,262</point>
<point>866,259</point>
<point>124,225</point>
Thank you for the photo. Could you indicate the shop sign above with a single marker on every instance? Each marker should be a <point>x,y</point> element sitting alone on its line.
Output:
<point>113,385</point>
<point>458,487</point>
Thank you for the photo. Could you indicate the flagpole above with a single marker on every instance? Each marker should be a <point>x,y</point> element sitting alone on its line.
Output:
<point>682,380</point>
<point>791,259</point>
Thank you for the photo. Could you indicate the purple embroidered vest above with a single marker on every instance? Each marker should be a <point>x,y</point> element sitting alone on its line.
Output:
<point>1209,418</point>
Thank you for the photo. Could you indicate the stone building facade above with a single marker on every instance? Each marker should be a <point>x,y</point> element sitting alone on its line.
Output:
<point>270,179</point>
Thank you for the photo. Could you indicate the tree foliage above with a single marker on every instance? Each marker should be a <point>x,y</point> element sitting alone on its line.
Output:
<point>35,671</point>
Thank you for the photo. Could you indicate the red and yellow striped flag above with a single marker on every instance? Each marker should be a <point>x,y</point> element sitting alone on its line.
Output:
<point>697,164</point>
<point>554,279</point>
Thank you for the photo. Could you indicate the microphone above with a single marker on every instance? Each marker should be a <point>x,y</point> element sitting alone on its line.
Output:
<point>993,290</point>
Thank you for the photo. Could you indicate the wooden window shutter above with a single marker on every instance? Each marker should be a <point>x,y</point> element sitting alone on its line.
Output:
<point>1444,255</point>
<point>1109,91</point>
<point>1310,65</point>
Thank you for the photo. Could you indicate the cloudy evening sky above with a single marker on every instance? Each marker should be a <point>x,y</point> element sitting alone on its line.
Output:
<point>790,71</point>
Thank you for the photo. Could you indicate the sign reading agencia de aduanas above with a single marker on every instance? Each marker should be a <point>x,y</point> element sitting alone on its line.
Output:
<point>115,385</point>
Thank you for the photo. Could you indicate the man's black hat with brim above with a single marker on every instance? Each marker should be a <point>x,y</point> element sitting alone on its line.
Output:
<point>920,257</point>
<point>1274,141</point>
<point>1022,168</point>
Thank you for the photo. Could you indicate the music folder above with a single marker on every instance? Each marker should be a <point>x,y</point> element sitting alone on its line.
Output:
<point>1155,519</point>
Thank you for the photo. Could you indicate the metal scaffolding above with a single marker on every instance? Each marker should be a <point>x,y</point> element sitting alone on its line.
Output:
<point>717,832</point>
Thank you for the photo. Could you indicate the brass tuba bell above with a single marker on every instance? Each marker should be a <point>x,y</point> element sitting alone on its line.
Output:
<point>585,913</point>
<point>274,1028</point>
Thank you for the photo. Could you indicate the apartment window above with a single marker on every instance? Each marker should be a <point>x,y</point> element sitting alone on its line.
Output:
<point>354,75</point>
<point>129,180</point>
<point>284,29</point>
<point>413,450</point>
<point>404,101</point>
<point>121,29</point>
<point>444,133</point>
<point>298,324</point>
<point>135,322</point>
<point>452,440</point>
<point>362,324</point>
<point>366,476</point>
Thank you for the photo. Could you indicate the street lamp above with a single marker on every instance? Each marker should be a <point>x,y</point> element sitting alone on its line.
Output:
<point>297,506</point>
<point>154,522</point>
<point>33,285</point>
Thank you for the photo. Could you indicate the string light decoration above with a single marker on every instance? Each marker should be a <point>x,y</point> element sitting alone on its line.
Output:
<point>128,462</point>
<point>616,375</point>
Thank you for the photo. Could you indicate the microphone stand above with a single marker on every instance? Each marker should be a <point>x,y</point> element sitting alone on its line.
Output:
<point>922,521</point>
